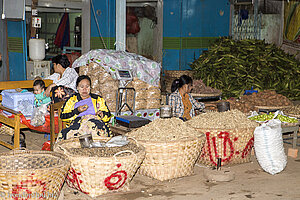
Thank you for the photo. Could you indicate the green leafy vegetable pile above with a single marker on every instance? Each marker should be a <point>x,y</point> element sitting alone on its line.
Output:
<point>234,66</point>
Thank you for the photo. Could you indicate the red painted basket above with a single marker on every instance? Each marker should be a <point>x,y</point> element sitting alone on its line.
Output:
<point>94,175</point>
<point>233,146</point>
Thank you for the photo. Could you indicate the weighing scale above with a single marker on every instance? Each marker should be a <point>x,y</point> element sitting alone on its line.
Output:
<point>124,77</point>
<point>130,121</point>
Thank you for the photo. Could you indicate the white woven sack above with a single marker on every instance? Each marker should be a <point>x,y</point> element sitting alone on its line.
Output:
<point>268,146</point>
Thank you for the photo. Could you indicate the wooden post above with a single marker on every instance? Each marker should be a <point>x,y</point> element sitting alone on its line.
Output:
<point>34,4</point>
<point>17,132</point>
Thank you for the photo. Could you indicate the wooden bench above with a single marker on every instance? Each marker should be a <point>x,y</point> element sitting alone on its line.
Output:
<point>15,121</point>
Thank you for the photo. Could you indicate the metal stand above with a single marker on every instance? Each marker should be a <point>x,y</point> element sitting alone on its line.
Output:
<point>119,100</point>
<point>293,130</point>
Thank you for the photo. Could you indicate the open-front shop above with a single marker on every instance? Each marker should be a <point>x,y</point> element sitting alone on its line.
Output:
<point>152,100</point>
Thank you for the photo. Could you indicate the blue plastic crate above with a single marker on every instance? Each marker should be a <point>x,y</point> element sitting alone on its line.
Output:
<point>18,101</point>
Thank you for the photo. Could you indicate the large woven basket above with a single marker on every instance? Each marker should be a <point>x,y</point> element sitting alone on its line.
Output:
<point>232,146</point>
<point>32,174</point>
<point>178,73</point>
<point>100,175</point>
<point>168,160</point>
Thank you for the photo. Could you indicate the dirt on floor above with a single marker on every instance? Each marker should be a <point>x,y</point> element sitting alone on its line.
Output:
<point>250,182</point>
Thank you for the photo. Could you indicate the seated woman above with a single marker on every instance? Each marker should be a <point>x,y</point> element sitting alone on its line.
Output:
<point>86,112</point>
<point>64,79</point>
<point>182,103</point>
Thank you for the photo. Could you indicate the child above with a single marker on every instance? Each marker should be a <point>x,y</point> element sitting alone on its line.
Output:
<point>39,90</point>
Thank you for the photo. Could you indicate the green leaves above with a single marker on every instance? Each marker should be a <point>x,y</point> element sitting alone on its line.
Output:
<point>233,66</point>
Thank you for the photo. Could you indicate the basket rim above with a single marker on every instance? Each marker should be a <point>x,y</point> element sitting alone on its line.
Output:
<point>64,158</point>
<point>216,94</point>
<point>96,157</point>
<point>172,141</point>
<point>271,107</point>
<point>227,129</point>
<point>292,115</point>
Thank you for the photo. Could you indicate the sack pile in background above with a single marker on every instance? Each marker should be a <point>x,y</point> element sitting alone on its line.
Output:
<point>147,96</point>
<point>102,83</point>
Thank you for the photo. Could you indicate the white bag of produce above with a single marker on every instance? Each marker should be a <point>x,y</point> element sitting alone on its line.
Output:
<point>268,145</point>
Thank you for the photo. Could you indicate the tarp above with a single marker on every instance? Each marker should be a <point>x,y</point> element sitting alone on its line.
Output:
<point>44,128</point>
<point>143,68</point>
<point>62,36</point>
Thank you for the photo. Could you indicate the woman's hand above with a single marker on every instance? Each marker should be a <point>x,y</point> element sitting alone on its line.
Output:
<point>100,113</point>
<point>48,90</point>
<point>83,108</point>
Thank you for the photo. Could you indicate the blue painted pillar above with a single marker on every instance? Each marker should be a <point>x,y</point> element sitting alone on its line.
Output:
<point>17,49</point>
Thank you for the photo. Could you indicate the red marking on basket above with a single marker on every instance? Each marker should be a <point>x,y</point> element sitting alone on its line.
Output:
<point>227,142</point>
<point>118,165</point>
<point>21,191</point>
<point>248,147</point>
<point>73,180</point>
<point>120,175</point>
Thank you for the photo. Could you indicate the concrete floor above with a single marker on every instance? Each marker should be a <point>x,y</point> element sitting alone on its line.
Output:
<point>250,182</point>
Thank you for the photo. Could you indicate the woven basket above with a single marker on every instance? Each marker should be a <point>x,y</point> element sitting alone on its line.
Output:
<point>168,160</point>
<point>206,95</point>
<point>32,174</point>
<point>232,146</point>
<point>100,175</point>
<point>4,129</point>
<point>271,107</point>
<point>178,73</point>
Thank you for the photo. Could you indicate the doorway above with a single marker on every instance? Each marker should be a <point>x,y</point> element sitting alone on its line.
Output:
<point>144,24</point>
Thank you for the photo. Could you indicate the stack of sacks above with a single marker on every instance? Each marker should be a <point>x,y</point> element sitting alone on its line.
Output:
<point>147,96</point>
<point>102,83</point>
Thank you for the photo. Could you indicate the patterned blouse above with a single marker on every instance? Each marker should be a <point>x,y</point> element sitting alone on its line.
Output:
<point>175,101</point>
<point>68,78</point>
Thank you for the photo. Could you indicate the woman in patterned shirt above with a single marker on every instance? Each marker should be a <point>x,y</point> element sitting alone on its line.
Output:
<point>182,103</point>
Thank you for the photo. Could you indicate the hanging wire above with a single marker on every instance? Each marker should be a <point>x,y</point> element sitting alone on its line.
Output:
<point>92,4</point>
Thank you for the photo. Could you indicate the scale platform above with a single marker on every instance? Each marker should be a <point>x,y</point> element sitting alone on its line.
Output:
<point>132,121</point>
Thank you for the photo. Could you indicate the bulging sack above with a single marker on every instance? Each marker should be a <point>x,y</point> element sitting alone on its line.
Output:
<point>268,145</point>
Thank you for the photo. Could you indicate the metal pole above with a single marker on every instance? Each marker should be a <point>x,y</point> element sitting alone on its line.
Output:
<point>121,25</point>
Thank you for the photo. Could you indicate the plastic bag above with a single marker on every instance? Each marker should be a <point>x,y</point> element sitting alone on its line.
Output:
<point>268,145</point>
<point>117,141</point>
<point>38,115</point>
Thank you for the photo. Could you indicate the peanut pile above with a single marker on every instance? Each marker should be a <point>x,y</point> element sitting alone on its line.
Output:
<point>222,120</point>
<point>104,151</point>
<point>247,103</point>
<point>164,130</point>
<point>292,110</point>
<point>201,88</point>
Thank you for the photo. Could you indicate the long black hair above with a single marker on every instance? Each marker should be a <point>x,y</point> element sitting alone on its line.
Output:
<point>82,77</point>
<point>62,60</point>
<point>181,81</point>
